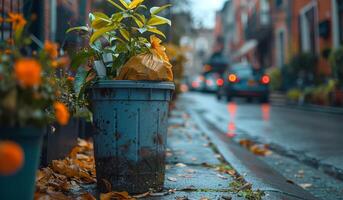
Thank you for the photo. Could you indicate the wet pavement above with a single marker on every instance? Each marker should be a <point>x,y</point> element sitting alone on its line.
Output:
<point>303,140</point>
<point>191,164</point>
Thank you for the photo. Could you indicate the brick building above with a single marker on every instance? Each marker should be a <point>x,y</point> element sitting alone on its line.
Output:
<point>51,17</point>
<point>271,32</point>
<point>305,26</point>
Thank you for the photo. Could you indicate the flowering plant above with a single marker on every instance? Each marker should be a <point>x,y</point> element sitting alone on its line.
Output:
<point>132,31</point>
<point>30,89</point>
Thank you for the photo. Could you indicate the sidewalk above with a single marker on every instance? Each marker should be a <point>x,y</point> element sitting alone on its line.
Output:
<point>194,170</point>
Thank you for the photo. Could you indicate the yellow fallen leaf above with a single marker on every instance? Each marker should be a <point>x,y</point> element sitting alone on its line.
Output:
<point>116,196</point>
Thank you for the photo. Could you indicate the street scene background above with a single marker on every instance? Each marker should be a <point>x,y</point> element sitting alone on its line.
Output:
<point>266,75</point>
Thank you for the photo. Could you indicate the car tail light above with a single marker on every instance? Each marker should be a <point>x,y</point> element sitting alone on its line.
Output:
<point>195,84</point>
<point>265,79</point>
<point>209,82</point>
<point>232,78</point>
<point>220,82</point>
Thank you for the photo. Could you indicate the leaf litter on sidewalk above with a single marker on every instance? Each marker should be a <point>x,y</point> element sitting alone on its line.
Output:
<point>65,179</point>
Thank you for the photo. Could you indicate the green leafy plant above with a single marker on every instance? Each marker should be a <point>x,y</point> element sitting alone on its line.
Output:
<point>122,35</point>
<point>336,61</point>
<point>276,78</point>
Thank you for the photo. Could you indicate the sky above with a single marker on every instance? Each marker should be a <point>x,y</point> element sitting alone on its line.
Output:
<point>204,11</point>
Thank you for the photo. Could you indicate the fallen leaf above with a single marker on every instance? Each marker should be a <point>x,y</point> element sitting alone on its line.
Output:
<point>159,194</point>
<point>86,196</point>
<point>116,196</point>
<point>222,177</point>
<point>305,185</point>
<point>172,179</point>
<point>180,165</point>
<point>142,195</point>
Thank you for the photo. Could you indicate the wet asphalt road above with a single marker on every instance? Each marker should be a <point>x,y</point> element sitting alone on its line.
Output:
<point>315,138</point>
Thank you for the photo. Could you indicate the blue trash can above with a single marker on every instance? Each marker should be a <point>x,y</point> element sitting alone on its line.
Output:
<point>21,185</point>
<point>130,118</point>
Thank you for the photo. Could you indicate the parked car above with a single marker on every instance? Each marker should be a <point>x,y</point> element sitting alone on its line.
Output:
<point>242,80</point>
<point>211,85</point>
<point>197,83</point>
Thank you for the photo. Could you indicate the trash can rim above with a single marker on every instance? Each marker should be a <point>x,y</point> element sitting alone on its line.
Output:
<point>134,84</point>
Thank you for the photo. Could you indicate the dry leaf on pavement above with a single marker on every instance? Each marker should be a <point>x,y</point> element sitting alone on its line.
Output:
<point>180,165</point>
<point>172,179</point>
<point>116,196</point>
<point>305,185</point>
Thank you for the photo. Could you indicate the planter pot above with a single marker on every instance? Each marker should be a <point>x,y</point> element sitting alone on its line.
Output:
<point>58,143</point>
<point>21,185</point>
<point>130,118</point>
<point>86,129</point>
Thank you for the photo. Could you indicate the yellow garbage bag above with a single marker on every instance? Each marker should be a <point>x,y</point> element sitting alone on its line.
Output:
<point>147,67</point>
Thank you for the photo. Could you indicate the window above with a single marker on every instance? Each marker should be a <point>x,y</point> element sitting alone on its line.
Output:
<point>340,20</point>
<point>281,39</point>
<point>309,29</point>
<point>7,6</point>
<point>278,3</point>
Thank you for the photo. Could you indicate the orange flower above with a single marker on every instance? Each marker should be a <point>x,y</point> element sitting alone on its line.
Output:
<point>157,48</point>
<point>10,41</point>
<point>28,72</point>
<point>8,51</point>
<point>54,64</point>
<point>62,114</point>
<point>51,48</point>
<point>1,20</point>
<point>17,20</point>
<point>70,78</point>
<point>11,158</point>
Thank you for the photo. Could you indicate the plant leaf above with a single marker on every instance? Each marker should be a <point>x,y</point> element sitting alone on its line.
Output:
<point>116,5</point>
<point>100,32</point>
<point>141,17</point>
<point>157,20</point>
<point>78,28</point>
<point>156,10</point>
<point>125,34</point>
<point>124,4</point>
<point>80,79</point>
<point>138,22</point>
<point>155,30</point>
<point>80,58</point>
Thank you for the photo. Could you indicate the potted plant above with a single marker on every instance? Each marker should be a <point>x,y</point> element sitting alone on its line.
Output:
<point>336,61</point>
<point>128,79</point>
<point>59,139</point>
<point>29,101</point>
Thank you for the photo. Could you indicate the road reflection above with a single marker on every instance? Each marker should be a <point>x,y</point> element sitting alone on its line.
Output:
<point>265,112</point>
<point>231,128</point>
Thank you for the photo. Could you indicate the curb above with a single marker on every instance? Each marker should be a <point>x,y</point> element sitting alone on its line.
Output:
<point>255,171</point>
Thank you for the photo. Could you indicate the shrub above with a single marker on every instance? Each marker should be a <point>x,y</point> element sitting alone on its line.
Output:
<point>276,78</point>
<point>336,61</point>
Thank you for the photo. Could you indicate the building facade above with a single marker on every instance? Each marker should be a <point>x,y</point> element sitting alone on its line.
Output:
<point>271,32</point>
<point>49,18</point>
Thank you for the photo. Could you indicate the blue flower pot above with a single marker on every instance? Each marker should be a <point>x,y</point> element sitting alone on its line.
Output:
<point>130,118</point>
<point>21,185</point>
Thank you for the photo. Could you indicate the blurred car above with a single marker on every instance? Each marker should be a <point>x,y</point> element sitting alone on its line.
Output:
<point>242,80</point>
<point>197,83</point>
<point>211,82</point>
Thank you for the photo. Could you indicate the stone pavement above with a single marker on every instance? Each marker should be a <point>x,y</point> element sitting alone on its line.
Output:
<point>191,164</point>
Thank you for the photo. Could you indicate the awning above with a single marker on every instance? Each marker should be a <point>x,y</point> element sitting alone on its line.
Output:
<point>247,46</point>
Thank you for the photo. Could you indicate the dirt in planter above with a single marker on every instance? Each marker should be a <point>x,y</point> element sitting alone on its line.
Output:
<point>124,175</point>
